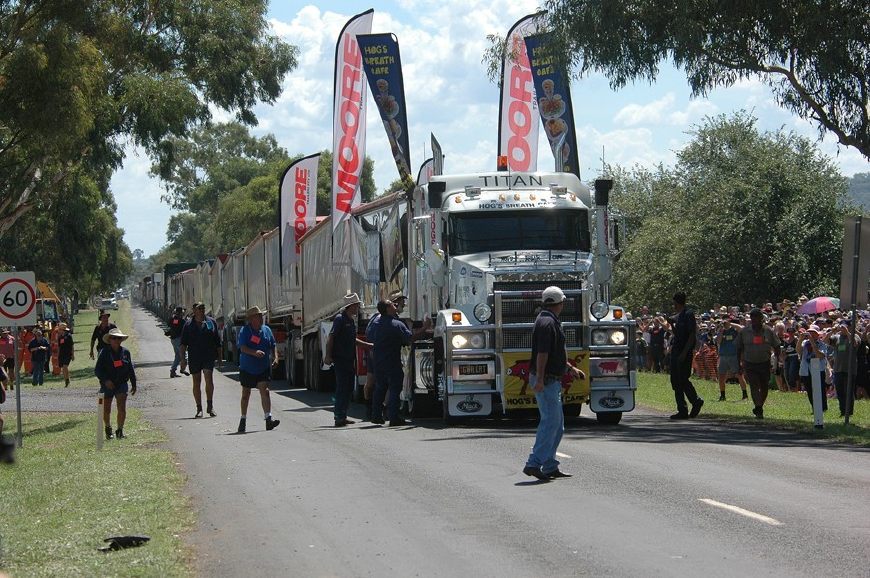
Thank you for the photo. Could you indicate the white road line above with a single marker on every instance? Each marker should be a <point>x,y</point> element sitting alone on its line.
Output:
<point>561,455</point>
<point>741,511</point>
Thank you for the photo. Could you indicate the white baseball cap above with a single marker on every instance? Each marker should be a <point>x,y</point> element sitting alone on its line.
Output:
<point>552,296</point>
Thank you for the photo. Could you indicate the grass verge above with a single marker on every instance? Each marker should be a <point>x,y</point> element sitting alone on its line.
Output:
<point>63,497</point>
<point>784,410</point>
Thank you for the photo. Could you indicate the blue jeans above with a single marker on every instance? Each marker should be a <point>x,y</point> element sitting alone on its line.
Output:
<point>344,382</point>
<point>176,345</point>
<point>38,373</point>
<point>790,370</point>
<point>389,386</point>
<point>550,428</point>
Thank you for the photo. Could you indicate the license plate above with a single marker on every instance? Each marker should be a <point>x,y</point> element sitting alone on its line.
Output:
<point>474,369</point>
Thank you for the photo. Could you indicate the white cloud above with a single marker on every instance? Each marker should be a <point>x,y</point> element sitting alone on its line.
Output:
<point>651,113</point>
<point>695,111</point>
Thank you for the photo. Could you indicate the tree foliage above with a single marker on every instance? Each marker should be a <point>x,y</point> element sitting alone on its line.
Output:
<point>75,244</point>
<point>742,217</point>
<point>225,183</point>
<point>80,78</point>
<point>815,56</point>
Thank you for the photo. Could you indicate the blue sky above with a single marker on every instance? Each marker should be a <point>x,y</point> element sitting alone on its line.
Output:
<point>449,94</point>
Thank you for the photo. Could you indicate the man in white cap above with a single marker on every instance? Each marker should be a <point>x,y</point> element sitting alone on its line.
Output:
<point>258,356</point>
<point>548,364</point>
<point>341,353</point>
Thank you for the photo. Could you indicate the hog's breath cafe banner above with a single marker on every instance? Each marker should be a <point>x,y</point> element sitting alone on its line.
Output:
<point>518,392</point>
<point>554,101</point>
<point>383,67</point>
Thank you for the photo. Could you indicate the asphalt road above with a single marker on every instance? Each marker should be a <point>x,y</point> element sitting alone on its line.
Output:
<point>648,498</point>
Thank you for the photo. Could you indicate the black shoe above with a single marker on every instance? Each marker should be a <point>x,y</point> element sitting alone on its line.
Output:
<point>722,396</point>
<point>745,395</point>
<point>680,415</point>
<point>342,422</point>
<point>109,434</point>
<point>696,407</point>
<point>120,434</point>
<point>399,422</point>
<point>536,473</point>
<point>185,372</point>
<point>272,424</point>
<point>558,474</point>
<point>378,420</point>
<point>242,423</point>
<point>211,412</point>
<point>172,374</point>
<point>759,412</point>
<point>198,413</point>
<point>67,383</point>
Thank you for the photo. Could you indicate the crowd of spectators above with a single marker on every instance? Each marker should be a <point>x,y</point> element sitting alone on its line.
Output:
<point>801,335</point>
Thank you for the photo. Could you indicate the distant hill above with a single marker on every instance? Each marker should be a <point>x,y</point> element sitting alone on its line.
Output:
<point>859,189</point>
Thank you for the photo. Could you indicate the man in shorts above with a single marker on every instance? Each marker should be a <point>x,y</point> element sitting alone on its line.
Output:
<point>201,343</point>
<point>258,355</point>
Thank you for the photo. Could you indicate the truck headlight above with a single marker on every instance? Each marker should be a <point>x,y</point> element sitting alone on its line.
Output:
<point>608,337</point>
<point>482,312</point>
<point>471,340</point>
<point>599,310</point>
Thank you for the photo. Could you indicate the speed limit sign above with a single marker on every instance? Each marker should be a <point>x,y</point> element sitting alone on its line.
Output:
<point>18,298</point>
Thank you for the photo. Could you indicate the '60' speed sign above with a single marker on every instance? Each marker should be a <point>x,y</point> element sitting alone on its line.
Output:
<point>18,298</point>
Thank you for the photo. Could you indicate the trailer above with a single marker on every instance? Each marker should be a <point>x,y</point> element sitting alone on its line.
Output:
<point>283,304</point>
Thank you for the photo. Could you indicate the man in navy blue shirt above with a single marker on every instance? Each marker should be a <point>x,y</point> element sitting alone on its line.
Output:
<point>341,353</point>
<point>682,347</point>
<point>258,355</point>
<point>390,335</point>
<point>39,352</point>
<point>201,342</point>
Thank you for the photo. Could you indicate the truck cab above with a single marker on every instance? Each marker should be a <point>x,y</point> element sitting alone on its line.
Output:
<point>483,247</point>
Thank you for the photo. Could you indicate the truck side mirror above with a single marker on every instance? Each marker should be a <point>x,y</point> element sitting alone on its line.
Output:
<point>436,194</point>
<point>616,234</point>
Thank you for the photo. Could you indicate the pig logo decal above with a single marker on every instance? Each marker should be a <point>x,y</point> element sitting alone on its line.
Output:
<point>521,369</point>
<point>608,366</point>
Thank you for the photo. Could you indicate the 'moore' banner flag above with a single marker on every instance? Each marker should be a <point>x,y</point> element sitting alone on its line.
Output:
<point>298,205</point>
<point>349,119</point>
<point>518,109</point>
<point>383,66</point>
<point>426,172</point>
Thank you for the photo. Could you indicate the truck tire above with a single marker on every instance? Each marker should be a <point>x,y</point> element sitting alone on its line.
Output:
<point>609,418</point>
<point>572,410</point>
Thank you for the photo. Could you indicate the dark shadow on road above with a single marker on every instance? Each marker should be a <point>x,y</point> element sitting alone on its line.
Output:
<point>635,428</point>
<point>533,483</point>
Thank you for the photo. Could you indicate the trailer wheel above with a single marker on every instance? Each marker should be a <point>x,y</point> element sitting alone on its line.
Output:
<point>609,418</point>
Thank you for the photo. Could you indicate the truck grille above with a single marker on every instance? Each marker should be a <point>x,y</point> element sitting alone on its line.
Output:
<point>522,338</point>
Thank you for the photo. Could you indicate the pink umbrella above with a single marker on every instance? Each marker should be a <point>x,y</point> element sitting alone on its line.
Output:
<point>819,305</point>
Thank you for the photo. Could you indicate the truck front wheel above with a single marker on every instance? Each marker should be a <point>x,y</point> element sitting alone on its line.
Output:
<point>609,418</point>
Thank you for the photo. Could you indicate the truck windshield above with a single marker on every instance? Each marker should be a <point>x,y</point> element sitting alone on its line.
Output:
<point>489,231</point>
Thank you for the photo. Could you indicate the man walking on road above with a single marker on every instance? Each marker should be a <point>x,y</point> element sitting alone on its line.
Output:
<point>176,325</point>
<point>682,346</point>
<point>548,365</point>
<point>200,344</point>
<point>341,352</point>
<point>258,355</point>
<point>754,347</point>
<point>101,329</point>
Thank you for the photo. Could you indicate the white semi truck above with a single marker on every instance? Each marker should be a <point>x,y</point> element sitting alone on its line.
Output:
<point>474,252</point>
